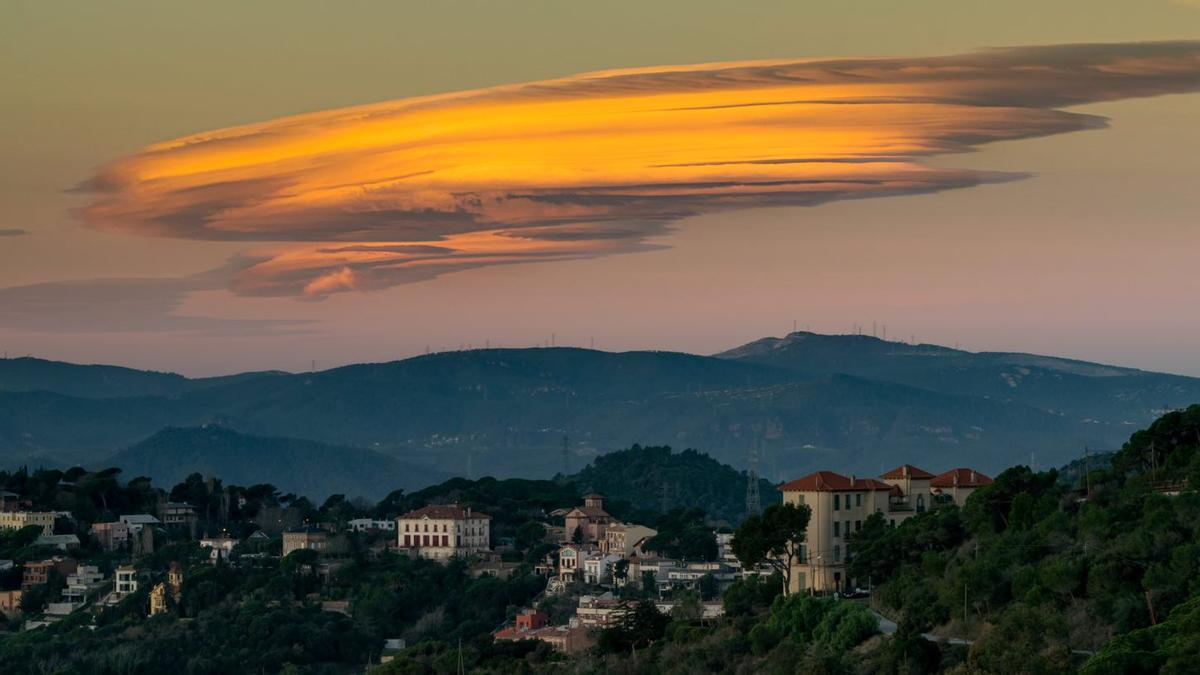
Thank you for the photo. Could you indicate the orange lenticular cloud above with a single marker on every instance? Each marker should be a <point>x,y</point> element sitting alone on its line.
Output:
<point>373,196</point>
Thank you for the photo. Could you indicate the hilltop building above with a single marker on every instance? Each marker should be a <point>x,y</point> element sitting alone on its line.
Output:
<point>442,531</point>
<point>839,505</point>
<point>589,523</point>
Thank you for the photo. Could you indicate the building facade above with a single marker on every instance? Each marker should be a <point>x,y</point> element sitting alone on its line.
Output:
<point>623,538</point>
<point>443,531</point>
<point>310,538</point>
<point>15,520</point>
<point>112,536</point>
<point>589,523</point>
<point>840,504</point>
<point>38,572</point>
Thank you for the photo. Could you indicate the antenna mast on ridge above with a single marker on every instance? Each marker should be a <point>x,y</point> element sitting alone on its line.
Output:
<point>753,499</point>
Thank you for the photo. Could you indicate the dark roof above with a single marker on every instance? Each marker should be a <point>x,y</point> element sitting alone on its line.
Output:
<point>962,477</point>
<point>828,481</point>
<point>907,471</point>
<point>443,511</point>
<point>593,495</point>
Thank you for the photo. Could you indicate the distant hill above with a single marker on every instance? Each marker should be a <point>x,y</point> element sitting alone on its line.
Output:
<point>1090,392</point>
<point>98,381</point>
<point>852,403</point>
<point>304,467</point>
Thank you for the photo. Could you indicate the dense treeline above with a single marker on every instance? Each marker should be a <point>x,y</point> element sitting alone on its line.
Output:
<point>651,477</point>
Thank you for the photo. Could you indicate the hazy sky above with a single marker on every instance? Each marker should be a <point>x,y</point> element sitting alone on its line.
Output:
<point>629,208</point>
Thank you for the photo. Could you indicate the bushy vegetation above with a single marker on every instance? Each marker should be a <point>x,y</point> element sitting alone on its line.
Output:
<point>1042,572</point>
<point>646,477</point>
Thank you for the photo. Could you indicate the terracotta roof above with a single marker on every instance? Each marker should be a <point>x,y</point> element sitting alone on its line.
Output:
<point>593,495</point>
<point>907,471</point>
<point>828,481</point>
<point>444,511</point>
<point>961,477</point>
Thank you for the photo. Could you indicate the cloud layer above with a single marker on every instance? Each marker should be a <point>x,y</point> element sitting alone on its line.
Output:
<point>373,196</point>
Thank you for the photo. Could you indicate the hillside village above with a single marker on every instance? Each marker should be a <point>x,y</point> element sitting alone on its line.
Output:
<point>590,560</point>
<point>844,573</point>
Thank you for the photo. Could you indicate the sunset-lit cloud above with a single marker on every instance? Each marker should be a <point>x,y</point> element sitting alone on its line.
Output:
<point>373,196</point>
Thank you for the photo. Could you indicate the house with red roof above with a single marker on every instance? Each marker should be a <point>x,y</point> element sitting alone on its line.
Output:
<point>840,504</point>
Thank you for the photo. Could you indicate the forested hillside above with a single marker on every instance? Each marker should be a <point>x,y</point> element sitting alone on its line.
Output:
<point>1041,574</point>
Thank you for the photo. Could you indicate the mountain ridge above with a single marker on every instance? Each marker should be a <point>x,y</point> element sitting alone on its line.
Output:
<point>806,400</point>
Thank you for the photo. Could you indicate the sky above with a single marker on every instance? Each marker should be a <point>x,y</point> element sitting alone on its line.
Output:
<point>235,186</point>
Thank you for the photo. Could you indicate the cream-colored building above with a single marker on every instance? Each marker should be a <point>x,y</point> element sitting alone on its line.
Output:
<point>442,531</point>
<point>15,520</point>
<point>622,538</point>
<point>840,504</point>
<point>310,538</point>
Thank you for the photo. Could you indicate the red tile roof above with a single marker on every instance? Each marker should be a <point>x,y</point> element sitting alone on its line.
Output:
<point>828,481</point>
<point>907,471</point>
<point>444,511</point>
<point>961,478</point>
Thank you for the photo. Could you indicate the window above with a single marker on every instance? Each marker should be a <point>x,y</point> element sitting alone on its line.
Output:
<point>837,553</point>
<point>837,502</point>
<point>920,503</point>
<point>857,525</point>
<point>858,499</point>
<point>837,528</point>
<point>891,522</point>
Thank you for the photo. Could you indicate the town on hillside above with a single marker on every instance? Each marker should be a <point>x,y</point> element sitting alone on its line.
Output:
<point>593,563</point>
<point>910,571</point>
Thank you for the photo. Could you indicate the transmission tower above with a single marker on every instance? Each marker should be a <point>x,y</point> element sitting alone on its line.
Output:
<point>566,457</point>
<point>753,500</point>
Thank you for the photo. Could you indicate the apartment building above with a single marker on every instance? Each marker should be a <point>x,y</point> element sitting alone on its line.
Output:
<point>839,505</point>
<point>311,538</point>
<point>442,531</point>
<point>15,520</point>
<point>38,572</point>
<point>112,536</point>
<point>624,539</point>
<point>125,581</point>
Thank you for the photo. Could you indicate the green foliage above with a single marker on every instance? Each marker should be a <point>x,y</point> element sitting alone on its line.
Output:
<point>683,534</point>
<point>774,538</point>
<point>638,625</point>
<point>692,479</point>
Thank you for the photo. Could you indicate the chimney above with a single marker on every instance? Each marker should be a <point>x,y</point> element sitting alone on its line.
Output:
<point>972,476</point>
<point>904,470</point>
